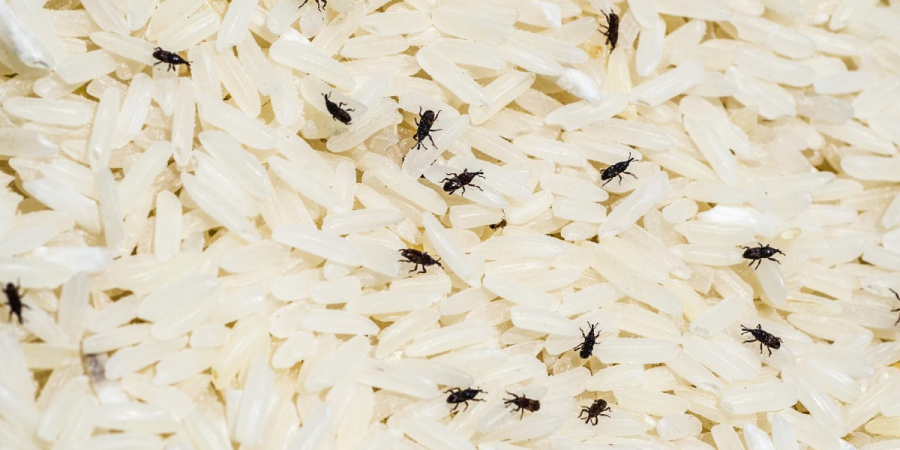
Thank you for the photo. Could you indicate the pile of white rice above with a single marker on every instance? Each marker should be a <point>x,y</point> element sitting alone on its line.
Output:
<point>211,261</point>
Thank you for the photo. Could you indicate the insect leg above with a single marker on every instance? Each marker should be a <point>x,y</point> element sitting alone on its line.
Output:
<point>770,351</point>
<point>773,259</point>
<point>620,179</point>
<point>432,140</point>
<point>304,3</point>
<point>420,113</point>
<point>467,406</point>
<point>749,341</point>
<point>477,187</point>
<point>629,173</point>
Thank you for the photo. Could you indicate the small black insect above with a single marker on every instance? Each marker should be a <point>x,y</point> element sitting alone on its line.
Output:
<point>763,337</point>
<point>612,29</point>
<point>587,347</point>
<point>523,404</point>
<point>499,225</point>
<point>14,301</point>
<point>424,127</point>
<point>594,411</point>
<point>616,170</point>
<point>463,396</point>
<point>320,3</point>
<point>457,181</point>
<point>757,254</point>
<point>337,110</point>
<point>898,309</point>
<point>419,259</point>
<point>170,58</point>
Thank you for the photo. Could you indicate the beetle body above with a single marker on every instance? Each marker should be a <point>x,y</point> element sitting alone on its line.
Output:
<point>590,339</point>
<point>763,337</point>
<point>612,29</point>
<point>457,181</point>
<point>423,127</point>
<point>594,411</point>
<point>523,403</point>
<point>170,58</point>
<point>757,254</point>
<point>462,396</point>
<point>320,3</point>
<point>337,110</point>
<point>418,258</point>
<point>616,170</point>
<point>14,300</point>
<point>499,225</point>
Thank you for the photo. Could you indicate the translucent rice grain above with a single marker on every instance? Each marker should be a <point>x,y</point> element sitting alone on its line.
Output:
<point>542,321</point>
<point>383,115</point>
<point>451,77</point>
<point>66,200</point>
<point>718,359</point>
<point>771,68</point>
<point>844,82</point>
<point>501,92</point>
<point>454,256</point>
<point>134,49</point>
<point>413,191</point>
<point>245,129</point>
<point>217,207</point>
<point>698,9</point>
<point>718,317</point>
<point>877,97</point>
<point>470,53</point>
<point>435,436</point>
<point>635,350</point>
<point>634,206</point>
<point>234,25</point>
<point>82,68</point>
<point>757,398</point>
<point>396,22</point>
<point>56,112</point>
<point>304,57</point>
<point>646,401</point>
<point>650,45</point>
<point>107,16</point>
<point>464,25</point>
<point>449,338</point>
<point>517,292</point>
<point>184,34</point>
<point>668,85</point>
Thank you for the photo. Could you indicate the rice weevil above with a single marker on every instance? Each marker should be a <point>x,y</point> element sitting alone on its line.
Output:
<point>757,254</point>
<point>418,258</point>
<point>763,337</point>
<point>424,124</point>
<point>523,403</point>
<point>320,3</point>
<point>594,411</point>
<point>462,396</point>
<point>590,339</point>
<point>14,300</point>
<point>457,181</point>
<point>170,58</point>
<point>612,29</point>
<point>616,170</point>
<point>337,110</point>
